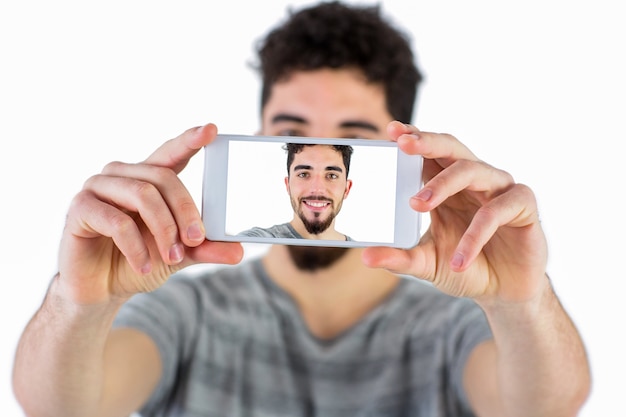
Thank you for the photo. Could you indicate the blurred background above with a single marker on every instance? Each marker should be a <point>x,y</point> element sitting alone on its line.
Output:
<point>536,88</point>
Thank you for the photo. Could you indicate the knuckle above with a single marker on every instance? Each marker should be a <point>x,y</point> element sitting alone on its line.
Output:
<point>170,230</point>
<point>121,223</point>
<point>504,176</point>
<point>487,214</point>
<point>465,164</point>
<point>188,207</point>
<point>524,189</point>
<point>471,239</point>
<point>162,175</point>
<point>81,197</point>
<point>525,192</point>
<point>139,251</point>
<point>112,167</point>
<point>448,136</point>
<point>78,201</point>
<point>144,190</point>
<point>89,182</point>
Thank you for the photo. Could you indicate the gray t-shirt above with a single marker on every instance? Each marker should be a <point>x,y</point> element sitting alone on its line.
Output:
<point>284,230</point>
<point>233,343</point>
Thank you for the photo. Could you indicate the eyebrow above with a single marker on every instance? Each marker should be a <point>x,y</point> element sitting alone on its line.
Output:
<point>284,117</point>
<point>348,124</point>
<point>328,168</point>
<point>358,124</point>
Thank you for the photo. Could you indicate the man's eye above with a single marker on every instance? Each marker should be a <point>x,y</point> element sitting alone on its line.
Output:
<point>289,132</point>
<point>303,175</point>
<point>332,176</point>
<point>357,135</point>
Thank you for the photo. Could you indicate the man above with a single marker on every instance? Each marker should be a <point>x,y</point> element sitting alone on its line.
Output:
<point>306,331</point>
<point>317,183</point>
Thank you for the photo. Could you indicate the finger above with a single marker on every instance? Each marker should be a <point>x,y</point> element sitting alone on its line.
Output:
<point>462,175</point>
<point>413,262</point>
<point>515,209</point>
<point>215,252</point>
<point>181,204</point>
<point>141,197</point>
<point>94,218</point>
<point>395,129</point>
<point>442,147</point>
<point>175,153</point>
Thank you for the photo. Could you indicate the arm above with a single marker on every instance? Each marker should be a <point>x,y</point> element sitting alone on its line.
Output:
<point>69,361</point>
<point>535,366</point>
<point>485,241</point>
<point>126,232</point>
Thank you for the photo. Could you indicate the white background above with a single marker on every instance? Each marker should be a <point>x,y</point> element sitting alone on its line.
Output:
<point>534,87</point>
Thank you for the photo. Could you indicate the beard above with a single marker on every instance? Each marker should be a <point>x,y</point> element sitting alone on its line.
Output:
<point>313,258</point>
<point>317,225</point>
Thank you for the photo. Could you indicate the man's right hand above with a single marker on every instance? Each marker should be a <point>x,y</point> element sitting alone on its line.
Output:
<point>133,225</point>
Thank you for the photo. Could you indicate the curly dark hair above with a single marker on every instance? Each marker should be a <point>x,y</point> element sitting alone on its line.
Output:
<point>294,148</point>
<point>334,35</point>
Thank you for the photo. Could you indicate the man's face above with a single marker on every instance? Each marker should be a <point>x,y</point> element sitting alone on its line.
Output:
<point>317,185</point>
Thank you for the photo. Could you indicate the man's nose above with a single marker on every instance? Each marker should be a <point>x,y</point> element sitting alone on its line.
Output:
<point>317,183</point>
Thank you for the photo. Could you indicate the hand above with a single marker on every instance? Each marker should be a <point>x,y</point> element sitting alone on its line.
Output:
<point>134,225</point>
<point>484,240</point>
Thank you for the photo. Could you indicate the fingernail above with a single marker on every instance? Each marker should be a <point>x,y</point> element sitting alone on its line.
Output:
<point>195,232</point>
<point>425,194</point>
<point>457,260</point>
<point>146,269</point>
<point>176,253</point>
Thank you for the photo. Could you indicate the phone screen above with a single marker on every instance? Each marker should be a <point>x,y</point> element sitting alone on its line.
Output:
<point>257,195</point>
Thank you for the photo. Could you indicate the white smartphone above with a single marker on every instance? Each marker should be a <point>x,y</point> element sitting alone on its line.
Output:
<point>247,194</point>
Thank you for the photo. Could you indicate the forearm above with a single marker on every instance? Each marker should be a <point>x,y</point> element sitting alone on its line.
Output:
<point>542,367</point>
<point>59,360</point>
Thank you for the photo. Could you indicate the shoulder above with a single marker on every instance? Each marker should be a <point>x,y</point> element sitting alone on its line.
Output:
<point>428,309</point>
<point>217,282</point>
<point>284,230</point>
<point>256,232</point>
<point>192,292</point>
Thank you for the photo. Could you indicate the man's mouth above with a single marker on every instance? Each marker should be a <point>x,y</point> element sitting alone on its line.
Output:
<point>316,203</point>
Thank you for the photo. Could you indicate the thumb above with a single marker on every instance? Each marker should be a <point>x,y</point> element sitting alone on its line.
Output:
<point>409,262</point>
<point>388,258</point>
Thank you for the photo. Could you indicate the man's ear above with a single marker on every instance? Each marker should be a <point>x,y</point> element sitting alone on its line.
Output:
<point>348,187</point>
<point>287,184</point>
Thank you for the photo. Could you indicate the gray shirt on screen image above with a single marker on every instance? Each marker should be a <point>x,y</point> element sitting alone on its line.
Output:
<point>284,230</point>
<point>233,343</point>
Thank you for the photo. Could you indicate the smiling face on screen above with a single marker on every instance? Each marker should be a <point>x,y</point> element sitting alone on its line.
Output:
<point>317,185</point>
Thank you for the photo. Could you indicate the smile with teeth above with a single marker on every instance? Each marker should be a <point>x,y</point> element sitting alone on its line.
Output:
<point>316,204</point>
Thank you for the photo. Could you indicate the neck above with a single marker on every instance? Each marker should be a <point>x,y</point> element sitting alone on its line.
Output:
<point>334,298</point>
